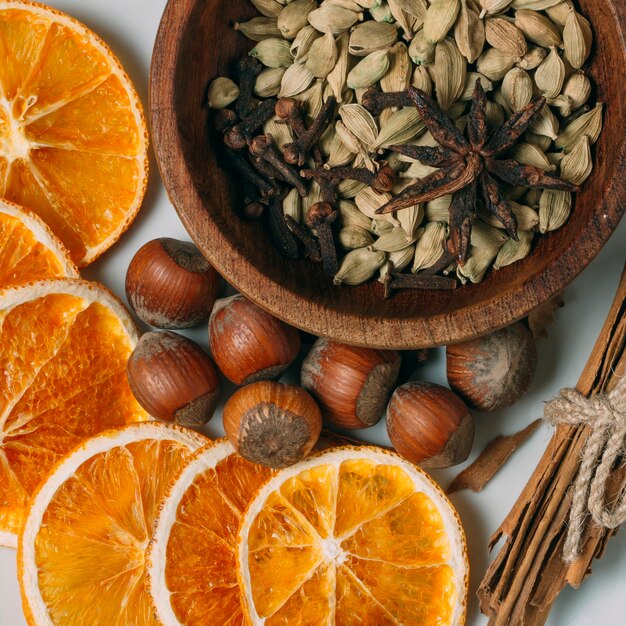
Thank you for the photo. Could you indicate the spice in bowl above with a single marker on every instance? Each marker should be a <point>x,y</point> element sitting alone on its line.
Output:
<point>455,132</point>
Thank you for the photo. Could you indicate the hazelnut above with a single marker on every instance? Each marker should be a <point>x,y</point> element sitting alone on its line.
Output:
<point>169,284</point>
<point>494,371</point>
<point>248,344</point>
<point>429,425</point>
<point>173,379</point>
<point>351,385</point>
<point>272,424</point>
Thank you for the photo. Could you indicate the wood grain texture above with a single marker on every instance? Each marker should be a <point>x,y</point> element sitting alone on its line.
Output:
<point>196,43</point>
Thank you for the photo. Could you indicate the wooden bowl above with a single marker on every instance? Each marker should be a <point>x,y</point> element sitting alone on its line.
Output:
<point>196,43</point>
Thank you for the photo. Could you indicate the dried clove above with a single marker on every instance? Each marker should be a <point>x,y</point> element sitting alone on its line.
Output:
<point>224,119</point>
<point>253,210</point>
<point>239,136</point>
<point>377,101</point>
<point>310,244</point>
<point>394,281</point>
<point>282,237</point>
<point>295,153</point>
<point>380,181</point>
<point>237,162</point>
<point>248,68</point>
<point>262,146</point>
<point>320,217</point>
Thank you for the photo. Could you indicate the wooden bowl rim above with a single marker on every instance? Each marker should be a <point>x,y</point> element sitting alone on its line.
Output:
<point>462,324</point>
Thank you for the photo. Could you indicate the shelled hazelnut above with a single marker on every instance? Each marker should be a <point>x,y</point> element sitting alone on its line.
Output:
<point>173,379</point>
<point>429,425</point>
<point>170,285</point>
<point>248,344</point>
<point>272,424</point>
<point>494,371</point>
<point>352,385</point>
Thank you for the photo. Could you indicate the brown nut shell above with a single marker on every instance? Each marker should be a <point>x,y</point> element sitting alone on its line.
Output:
<point>248,344</point>
<point>272,424</point>
<point>494,371</point>
<point>429,425</point>
<point>170,285</point>
<point>351,385</point>
<point>173,379</point>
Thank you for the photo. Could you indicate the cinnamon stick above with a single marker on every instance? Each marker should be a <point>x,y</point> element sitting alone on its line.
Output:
<point>528,573</point>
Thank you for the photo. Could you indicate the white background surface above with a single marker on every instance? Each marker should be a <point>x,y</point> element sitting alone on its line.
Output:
<point>129,27</point>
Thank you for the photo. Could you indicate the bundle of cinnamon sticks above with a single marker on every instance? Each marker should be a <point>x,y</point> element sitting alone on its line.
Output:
<point>528,573</point>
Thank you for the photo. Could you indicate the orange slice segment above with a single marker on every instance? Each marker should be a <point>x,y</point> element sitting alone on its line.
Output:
<point>64,344</point>
<point>28,249</point>
<point>191,560</point>
<point>352,536</point>
<point>81,557</point>
<point>73,139</point>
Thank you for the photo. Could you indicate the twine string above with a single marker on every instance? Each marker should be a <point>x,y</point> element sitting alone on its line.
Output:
<point>605,416</point>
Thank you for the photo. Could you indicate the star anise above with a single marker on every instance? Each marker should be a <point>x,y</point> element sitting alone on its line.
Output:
<point>467,165</point>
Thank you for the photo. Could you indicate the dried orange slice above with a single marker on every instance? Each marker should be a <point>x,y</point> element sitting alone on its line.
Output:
<point>64,344</point>
<point>73,139</point>
<point>28,249</point>
<point>191,560</point>
<point>81,557</point>
<point>353,536</point>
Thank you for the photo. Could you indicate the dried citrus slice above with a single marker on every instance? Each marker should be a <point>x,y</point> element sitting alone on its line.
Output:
<point>81,557</point>
<point>64,344</point>
<point>352,536</point>
<point>28,249</point>
<point>73,139</point>
<point>191,560</point>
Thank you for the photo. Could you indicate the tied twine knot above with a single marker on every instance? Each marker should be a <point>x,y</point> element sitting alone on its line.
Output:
<point>605,416</point>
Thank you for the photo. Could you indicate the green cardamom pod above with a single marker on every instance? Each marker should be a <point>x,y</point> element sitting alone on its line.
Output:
<point>555,207</point>
<point>494,114</point>
<point>577,89</point>
<point>354,237</point>
<point>296,79</point>
<point>369,71</point>
<point>485,236</point>
<point>416,8</point>
<point>410,219</point>
<point>293,17</point>
<point>589,124</point>
<point>430,246</point>
<point>268,8</point>
<point>333,19</point>
<point>311,99</point>
<point>449,71</point>
<point>360,123</point>
<point>440,18</point>
<point>421,51</point>
<point>398,77</point>
<point>494,64</point>
<point>531,154</point>
<point>576,165</point>
<point>469,33</point>
<point>534,5</point>
<point>505,36</point>
<point>417,170</point>
<point>421,79</point>
<point>379,227</point>
<point>541,141</point>
<point>533,197</point>
<point>302,43</point>
<point>358,266</point>
<point>533,58</point>
<point>438,210</point>
<point>348,188</point>
<point>339,74</point>
<point>273,53</point>
<point>397,261</point>
<point>268,82</point>
<point>527,217</point>
<point>558,13</point>
<point>513,251</point>
<point>393,241</point>
<point>477,264</point>
<point>550,75</point>
<point>292,205</point>
<point>577,39</point>
<point>404,20</point>
<point>338,153</point>
<point>368,201</point>
<point>222,92</point>
<point>371,37</point>
<point>491,7</point>
<point>517,88</point>
<point>281,133</point>
<point>403,126</point>
<point>538,28</point>
<point>545,124</point>
<point>562,103</point>
<point>351,216</point>
<point>322,56</point>
<point>258,28</point>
